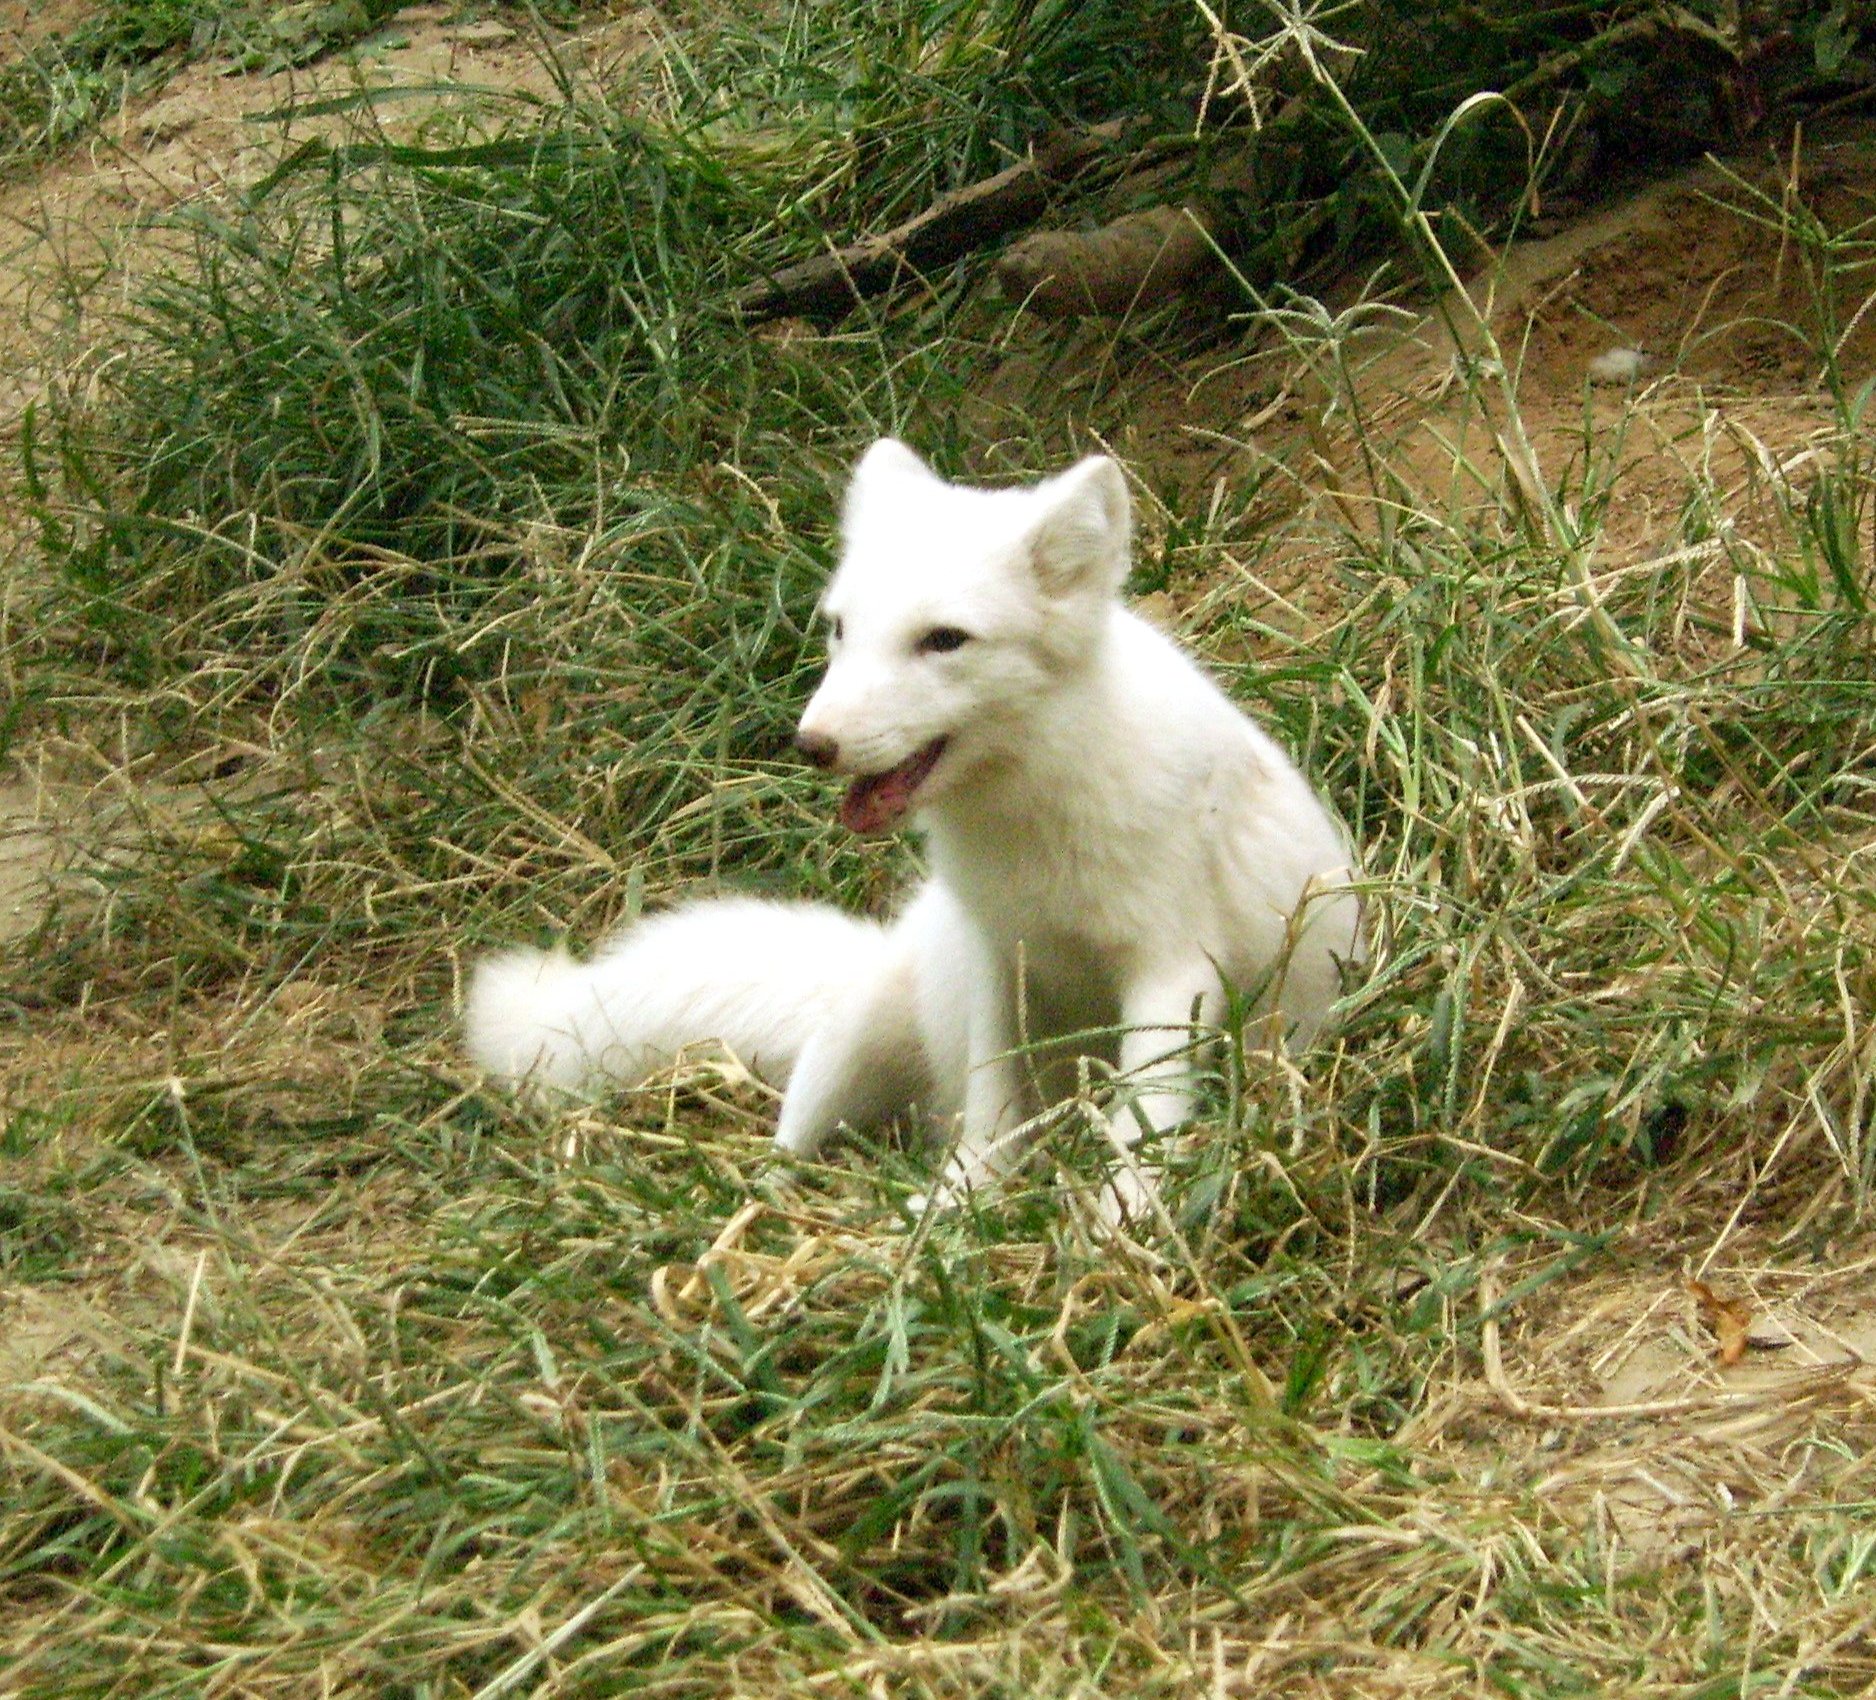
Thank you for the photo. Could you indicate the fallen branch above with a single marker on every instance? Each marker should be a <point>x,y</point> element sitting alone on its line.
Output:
<point>830,285</point>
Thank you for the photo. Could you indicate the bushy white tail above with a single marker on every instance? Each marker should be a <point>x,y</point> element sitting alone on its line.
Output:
<point>756,978</point>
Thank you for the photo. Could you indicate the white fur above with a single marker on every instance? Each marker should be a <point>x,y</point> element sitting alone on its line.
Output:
<point>755,978</point>
<point>1112,845</point>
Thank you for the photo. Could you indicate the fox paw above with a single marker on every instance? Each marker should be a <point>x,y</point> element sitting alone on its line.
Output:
<point>940,1201</point>
<point>1130,1199</point>
<point>952,1192</point>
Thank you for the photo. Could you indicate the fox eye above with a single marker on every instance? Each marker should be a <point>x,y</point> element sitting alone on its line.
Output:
<point>941,640</point>
<point>835,630</point>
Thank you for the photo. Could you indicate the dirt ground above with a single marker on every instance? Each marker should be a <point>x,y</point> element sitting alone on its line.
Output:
<point>1719,338</point>
<point>89,214</point>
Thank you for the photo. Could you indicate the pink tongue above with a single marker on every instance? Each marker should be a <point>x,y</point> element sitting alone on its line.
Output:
<point>876,802</point>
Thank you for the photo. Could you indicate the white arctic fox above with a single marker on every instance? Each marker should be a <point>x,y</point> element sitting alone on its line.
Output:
<point>1112,846</point>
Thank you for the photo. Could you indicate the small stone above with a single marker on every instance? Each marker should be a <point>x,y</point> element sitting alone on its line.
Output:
<point>1619,366</point>
<point>167,119</point>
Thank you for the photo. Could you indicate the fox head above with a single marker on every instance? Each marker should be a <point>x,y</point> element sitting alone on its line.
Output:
<point>952,611</point>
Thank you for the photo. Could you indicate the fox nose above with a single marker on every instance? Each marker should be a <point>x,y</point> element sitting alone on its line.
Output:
<point>820,749</point>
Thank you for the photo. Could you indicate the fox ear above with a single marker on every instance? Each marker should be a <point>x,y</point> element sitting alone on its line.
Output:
<point>889,455</point>
<point>1084,539</point>
<point>887,461</point>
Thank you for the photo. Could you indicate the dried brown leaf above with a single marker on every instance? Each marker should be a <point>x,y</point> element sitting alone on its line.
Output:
<point>1730,1319</point>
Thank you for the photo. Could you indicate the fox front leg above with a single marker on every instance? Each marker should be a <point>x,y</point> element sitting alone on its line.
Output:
<point>1156,1057</point>
<point>993,1089</point>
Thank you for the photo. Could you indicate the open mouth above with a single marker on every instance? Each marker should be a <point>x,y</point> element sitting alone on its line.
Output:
<point>877,802</point>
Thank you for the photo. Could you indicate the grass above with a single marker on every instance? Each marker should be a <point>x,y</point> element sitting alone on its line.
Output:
<point>433,566</point>
<point>68,82</point>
